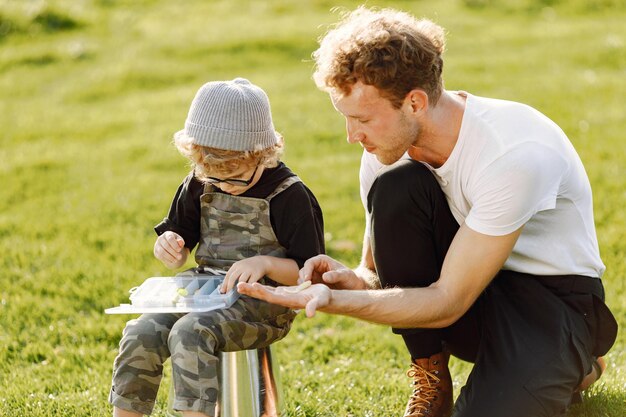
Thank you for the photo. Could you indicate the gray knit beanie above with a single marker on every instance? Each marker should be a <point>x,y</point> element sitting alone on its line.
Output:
<point>231,115</point>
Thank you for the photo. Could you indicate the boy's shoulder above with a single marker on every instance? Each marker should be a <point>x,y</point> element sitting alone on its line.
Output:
<point>192,186</point>
<point>270,180</point>
<point>296,193</point>
<point>281,173</point>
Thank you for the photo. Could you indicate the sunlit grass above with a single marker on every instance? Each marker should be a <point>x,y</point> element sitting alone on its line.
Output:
<point>91,93</point>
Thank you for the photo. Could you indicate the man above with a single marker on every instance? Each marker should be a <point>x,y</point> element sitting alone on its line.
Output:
<point>484,249</point>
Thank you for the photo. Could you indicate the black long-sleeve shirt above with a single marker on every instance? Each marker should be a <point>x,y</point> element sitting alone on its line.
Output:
<point>295,214</point>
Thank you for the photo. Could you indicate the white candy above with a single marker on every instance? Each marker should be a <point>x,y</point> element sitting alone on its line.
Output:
<point>298,288</point>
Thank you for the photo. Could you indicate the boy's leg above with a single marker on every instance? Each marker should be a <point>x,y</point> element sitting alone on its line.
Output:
<point>197,339</point>
<point>536,346</point>
<point>138,366</point>
<point>120,412</point>
<point>411,230</point>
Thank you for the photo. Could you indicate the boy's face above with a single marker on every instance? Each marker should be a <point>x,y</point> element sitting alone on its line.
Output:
<point>240,181</point>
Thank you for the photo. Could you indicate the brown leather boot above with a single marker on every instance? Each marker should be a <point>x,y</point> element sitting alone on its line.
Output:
<point>432,392</point>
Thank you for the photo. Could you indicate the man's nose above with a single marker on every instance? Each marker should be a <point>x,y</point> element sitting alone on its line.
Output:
<point>354,135</point>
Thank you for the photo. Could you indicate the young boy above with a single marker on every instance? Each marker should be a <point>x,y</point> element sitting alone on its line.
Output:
<point>245,211</point>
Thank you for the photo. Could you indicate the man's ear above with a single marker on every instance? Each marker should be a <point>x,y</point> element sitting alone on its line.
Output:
<point>417,100</point>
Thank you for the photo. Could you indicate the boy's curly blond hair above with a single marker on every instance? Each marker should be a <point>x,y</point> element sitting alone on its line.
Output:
<point>212,162</point>
<point>388,49</point>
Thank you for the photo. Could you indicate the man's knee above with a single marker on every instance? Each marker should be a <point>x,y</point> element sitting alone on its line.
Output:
<point>402,181</point>
<point>400,176</point>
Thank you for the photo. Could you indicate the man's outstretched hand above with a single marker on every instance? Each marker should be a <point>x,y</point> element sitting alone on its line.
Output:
<point>323,272</point>
<point>311,299</point>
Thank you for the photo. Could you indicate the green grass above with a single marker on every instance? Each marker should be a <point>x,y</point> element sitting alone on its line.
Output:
<point>91,92</point>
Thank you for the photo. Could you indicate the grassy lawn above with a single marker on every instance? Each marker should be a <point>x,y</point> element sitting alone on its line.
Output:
<point>91,92</point>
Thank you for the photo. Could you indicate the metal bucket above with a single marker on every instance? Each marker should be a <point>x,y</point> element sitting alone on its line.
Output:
<point>249,385</point>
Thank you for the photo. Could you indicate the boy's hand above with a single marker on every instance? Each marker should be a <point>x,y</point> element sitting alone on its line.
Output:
<point>169,248</point>
<point>246,270</point>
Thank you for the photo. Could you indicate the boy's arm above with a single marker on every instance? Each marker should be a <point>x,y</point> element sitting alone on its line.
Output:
<point>282,270</point>
<point>250,270</point>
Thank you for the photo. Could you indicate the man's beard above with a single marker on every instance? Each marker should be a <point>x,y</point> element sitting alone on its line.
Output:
<point>405,138</point>
<point>389,158</point>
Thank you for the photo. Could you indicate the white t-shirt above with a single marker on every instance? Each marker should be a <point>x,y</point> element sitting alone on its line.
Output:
<point>512,166</point>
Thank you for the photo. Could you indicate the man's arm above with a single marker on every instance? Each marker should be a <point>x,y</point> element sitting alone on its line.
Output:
<point>472,261</point>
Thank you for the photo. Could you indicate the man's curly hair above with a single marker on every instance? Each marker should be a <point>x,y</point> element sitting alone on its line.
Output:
<point>388,49</point>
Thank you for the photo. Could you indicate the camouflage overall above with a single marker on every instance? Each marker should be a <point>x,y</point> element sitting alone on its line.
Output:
<point>233,228</point>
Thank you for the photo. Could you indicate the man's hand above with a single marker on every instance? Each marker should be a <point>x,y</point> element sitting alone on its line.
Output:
<point>311,299</point>
<point>325,270</point>
<point>248,270</point>
<point>170,249</point>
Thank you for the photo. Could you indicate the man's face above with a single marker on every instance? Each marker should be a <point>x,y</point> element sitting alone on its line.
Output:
<point>373,122</point>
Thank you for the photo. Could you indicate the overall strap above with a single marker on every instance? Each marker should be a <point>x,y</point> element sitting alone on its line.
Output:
<point>208,188</point>
<point>288,182</point>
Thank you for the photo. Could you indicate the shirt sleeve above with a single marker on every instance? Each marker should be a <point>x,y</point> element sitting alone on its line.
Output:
<point>297,220</point>
<point>184,214</point>
<point>367,174</point>
<point>509,191</point>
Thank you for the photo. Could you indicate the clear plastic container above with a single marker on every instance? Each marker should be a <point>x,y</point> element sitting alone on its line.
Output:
<point>184,293</point>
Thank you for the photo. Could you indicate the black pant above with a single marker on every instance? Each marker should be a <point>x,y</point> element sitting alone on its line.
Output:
<point>531,338</point>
